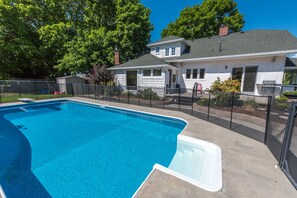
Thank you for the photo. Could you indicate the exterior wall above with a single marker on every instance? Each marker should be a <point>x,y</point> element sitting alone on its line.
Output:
<point>120,77</point>
<point>269,68</point>
<point>179,47</point>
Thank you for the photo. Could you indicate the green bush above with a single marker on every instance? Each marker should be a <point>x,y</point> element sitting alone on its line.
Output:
<point>147,94</point>
<point>110,90</point>
<point>225,99</point>
<point>203,102</point>
<point>225,86</point>
<point>251,103</point>
<point>280,103</point>
<point>290,93</point>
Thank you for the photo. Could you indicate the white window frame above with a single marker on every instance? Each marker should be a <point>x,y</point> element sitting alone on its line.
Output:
<point>157,50</point>
<point>173,51</point>
<point>199,74</point>
<point>166,50</point>
<point>149,75</point>
<point>190,74</point>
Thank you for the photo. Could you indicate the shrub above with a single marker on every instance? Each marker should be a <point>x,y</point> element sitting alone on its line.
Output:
<point>225,99</point>
<point>225,86</point>
<point>251,103</point>
<point>290,93</point>
<point>147,94</point>
<point>203,102</point>
<point>280,103</point>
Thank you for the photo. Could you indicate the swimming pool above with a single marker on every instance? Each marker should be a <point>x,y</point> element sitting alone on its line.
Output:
<point>67,148</point>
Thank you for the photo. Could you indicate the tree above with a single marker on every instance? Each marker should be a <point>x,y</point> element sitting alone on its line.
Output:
<point>204,20</point>
<point>99,75</point>
<point>40,38</point>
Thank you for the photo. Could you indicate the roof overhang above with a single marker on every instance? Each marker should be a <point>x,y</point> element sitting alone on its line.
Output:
<point>166,42</point>
<point>238,56</point>
<point>143,67</point>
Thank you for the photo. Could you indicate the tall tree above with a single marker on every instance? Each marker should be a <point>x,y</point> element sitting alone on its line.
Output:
<point>70,36</point>
<point>204,20</point>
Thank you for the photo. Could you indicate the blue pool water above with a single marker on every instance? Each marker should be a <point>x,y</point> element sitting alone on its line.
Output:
<point>71,149</point>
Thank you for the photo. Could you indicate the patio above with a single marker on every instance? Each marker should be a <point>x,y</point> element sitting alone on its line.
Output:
<point>248,165</point>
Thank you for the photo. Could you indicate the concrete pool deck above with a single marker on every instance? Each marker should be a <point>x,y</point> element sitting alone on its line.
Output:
<point>248,166</point>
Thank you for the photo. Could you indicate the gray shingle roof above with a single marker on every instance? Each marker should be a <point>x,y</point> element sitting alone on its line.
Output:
<point>169,38</point>
<point>254,41</point>
<point>144,60</point>
<point>291,62</point>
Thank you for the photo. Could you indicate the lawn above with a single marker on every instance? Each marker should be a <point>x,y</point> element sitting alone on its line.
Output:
<point>14,97</point>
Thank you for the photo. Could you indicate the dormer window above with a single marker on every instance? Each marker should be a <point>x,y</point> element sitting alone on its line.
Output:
<point>173,51</point>
<point>167,52</point>
<point>157,49</point>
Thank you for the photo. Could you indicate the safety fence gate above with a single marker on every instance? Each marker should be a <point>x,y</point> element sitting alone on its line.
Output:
<point>283,145</point>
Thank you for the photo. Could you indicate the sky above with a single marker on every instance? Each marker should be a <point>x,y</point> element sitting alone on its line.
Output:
<point>258,14</point>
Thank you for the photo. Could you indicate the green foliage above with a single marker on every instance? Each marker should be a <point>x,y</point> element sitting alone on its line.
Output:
<point>225,99</point>
<point>203,102</point>
<point>289,93</point>
<point>204,20</point>
<point>251,103</point>
<point>70,36</point>
<point>148,94</point>
<point>280,103</point>
<point>225,86</point>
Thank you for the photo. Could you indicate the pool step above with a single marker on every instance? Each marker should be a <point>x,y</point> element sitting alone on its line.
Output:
<point>197,162</point>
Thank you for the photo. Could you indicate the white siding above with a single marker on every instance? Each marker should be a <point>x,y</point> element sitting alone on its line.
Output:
<point>269,68</point>
<point>179,47</point>
<point>151,81</point>
<point>120,77</point>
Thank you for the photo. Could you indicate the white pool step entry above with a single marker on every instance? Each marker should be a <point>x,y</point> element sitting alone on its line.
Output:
<point>197,162</point>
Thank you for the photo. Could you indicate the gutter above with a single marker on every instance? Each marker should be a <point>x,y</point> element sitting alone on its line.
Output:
<point>238,56</point>
<point>140,67</point>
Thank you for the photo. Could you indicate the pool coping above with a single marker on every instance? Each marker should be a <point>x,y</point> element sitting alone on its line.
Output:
<point>248,166</point>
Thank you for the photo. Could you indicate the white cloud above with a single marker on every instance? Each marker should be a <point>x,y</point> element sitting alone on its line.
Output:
<point>293,55</point>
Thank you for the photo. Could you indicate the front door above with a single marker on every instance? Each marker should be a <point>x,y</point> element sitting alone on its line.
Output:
<point>250,78</point>
<point>132,79</point>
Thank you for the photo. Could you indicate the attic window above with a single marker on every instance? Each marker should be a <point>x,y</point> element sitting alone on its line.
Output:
<point>157,49</point>
<point>173,51</point>
<point>167,52</point>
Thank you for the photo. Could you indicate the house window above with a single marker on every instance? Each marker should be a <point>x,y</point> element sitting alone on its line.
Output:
<point>188,74</point>
<point>157,72</point>
<point>167,52</point>
<point>237,74</point>
<point>201,73</point>
<point>146,72</point>
<point>157,49</point>
<point>195,73</point>
<point>173,51</point>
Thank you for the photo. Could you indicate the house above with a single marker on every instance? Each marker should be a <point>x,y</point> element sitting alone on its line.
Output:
<point>255,57</point>
<point>290,75</point>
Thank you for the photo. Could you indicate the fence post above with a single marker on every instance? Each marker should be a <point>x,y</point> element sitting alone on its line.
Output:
<point>119,97</point>
<point>138,97</point>
<point>36,90</point>
<point>72,89</point>
<point>208,106</point>
<point>109,93</point>
<point>128,95</point>
<point>151,97</point>
<point>231,116</point>
<point>20,92</point>
<point>267,119</point>
<point>102,92</point>
<point>95,89</point>
<point>192,102</point>
<point>179,98</point>
<point>83,89</point>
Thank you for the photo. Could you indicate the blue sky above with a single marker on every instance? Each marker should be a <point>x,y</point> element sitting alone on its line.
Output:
<point>258,14</point>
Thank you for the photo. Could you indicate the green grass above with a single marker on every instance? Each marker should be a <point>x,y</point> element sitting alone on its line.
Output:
<point>14,97</point>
